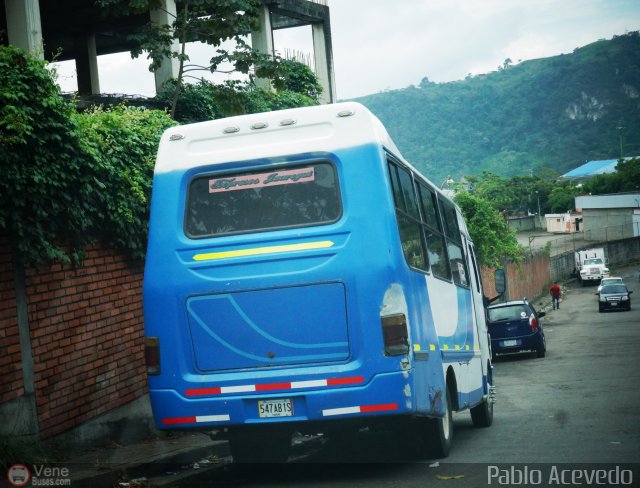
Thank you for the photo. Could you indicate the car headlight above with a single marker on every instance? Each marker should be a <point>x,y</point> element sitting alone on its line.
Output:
<point>583,272</point>
<point>605,270</point>
<point>602,299</point>
<point>625,298</point>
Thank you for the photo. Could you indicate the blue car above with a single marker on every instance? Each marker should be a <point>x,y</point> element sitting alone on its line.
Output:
<point>515,326</point>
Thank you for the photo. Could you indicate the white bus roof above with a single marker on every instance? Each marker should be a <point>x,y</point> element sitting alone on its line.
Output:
<point>324,128</point>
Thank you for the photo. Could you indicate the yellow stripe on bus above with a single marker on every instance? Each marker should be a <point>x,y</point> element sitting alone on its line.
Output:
<point>257,251</point>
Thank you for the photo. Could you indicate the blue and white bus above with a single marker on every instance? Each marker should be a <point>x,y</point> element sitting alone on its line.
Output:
<point>301,276</point>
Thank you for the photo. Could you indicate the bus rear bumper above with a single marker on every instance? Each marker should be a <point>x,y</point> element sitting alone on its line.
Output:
<point>384,395</point>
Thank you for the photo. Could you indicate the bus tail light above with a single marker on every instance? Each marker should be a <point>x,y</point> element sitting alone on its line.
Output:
<point>533,323</point>
<point>152,355</point>
<point>395,334</point>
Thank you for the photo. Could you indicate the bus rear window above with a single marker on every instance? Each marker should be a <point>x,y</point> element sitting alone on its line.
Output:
<point>258,201</point>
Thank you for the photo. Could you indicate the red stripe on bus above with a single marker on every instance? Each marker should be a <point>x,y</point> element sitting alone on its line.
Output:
<point>273,386</point>
<point>179,420</point>
<point>345,381</point>
<point>384,407</point>
<point>203,391</point>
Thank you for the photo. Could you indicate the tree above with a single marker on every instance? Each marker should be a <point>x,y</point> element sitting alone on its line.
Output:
<point>562,197</point>
<point>210,21</point>
<point>489,230</point>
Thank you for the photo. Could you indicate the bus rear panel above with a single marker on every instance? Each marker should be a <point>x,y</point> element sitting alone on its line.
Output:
<point>279,294</point>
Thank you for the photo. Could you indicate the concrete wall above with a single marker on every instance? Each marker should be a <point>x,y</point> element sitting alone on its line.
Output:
<point>616,252</point>
<point>608,224</point>
<point>523,223</point>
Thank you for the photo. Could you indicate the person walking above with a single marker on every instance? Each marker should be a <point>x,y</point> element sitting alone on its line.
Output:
<point>555,295</point>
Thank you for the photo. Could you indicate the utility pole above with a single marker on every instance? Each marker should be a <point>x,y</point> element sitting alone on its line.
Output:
<point>539,216</point>
<point>621,133</point>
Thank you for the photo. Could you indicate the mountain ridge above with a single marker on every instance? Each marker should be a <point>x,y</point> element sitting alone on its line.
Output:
<point>547,113</point>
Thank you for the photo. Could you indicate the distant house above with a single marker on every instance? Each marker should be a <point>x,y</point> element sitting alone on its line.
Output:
<point>592,168</point>
<point>610,217</point>
<point>564,223</point>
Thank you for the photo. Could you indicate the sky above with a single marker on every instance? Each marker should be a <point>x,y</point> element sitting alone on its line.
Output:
<point>383,45</point>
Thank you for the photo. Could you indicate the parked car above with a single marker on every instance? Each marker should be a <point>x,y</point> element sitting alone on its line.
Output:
<point>611,280</point>
<point>612,297</point>
<point>515,326</point>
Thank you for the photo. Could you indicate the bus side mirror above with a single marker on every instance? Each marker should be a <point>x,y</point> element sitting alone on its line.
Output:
<point>500,280</point>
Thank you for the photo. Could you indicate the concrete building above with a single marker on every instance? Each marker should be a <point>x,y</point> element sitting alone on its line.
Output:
<point>77,29</point>
<point>610,217</point>
<point>564,223</point>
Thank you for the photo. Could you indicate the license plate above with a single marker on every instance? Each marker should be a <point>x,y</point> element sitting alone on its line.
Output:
<point>282,407</point>
<point>509,343</point>
<point>613,304</point>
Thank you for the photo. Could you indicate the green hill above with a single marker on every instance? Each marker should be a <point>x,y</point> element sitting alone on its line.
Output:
<point>553,112</point>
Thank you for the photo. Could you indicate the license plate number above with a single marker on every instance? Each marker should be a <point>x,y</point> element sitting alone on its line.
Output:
<point>613,304</point>
<point>509,343</point>
<point>275,408</point>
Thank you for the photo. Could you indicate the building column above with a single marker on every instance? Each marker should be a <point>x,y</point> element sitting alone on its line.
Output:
<point>323,58</point>
<point>262,41</point>
<point>87,64</point>
<point>23,25</point>
<point>166,15</point>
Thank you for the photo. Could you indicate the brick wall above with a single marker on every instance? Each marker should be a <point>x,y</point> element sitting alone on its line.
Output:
<point>86,336</point>
<point>528,278</point>
<point>11,385</point>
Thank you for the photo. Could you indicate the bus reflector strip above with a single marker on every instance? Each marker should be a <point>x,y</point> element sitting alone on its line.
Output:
<point>288,385</point>
<point>195,419</point>
<point>257,251</point>
<point>383,407</point>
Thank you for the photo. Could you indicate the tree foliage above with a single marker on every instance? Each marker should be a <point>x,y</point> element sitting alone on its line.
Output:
<point>70,179</point>
<point>515,194</point>
<point>488,229</point>
<point>297,86</point>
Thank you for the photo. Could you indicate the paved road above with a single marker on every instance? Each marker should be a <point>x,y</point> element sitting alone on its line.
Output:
<point>577,405</point>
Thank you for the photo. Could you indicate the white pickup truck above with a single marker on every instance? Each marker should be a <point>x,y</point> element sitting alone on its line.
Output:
<point>591,265</point>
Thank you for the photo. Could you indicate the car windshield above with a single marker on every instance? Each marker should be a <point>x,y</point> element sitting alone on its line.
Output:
<point>510,312</point>
<point>611,281</point>
<point>613,289</point>
<point>593,261</point>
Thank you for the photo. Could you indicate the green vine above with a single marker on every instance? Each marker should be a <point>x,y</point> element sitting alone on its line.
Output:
<point>70,179</point>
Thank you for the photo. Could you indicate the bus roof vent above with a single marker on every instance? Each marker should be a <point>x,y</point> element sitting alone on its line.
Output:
<point>231,130</point>
<point>288,122</point>
<point>259,125</point>
<point>346,113</point>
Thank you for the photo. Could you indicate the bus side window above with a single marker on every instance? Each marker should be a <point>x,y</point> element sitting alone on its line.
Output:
<point>476,270</point>
<point>408,217</point>
<point>454,244</point>
<point>436,246</point>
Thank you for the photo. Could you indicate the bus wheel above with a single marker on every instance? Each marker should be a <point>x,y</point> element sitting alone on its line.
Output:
<point>263,449</point>
<point>482,414</point>
<point>438,433</point>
